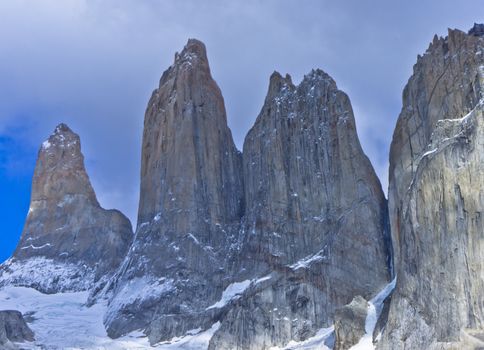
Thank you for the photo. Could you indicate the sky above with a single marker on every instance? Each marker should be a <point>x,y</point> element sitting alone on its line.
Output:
<point>93,64</point>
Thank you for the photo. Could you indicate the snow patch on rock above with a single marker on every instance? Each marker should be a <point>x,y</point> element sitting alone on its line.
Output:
<point>375,307</point>
<point>233,291</point>
<point>46,275</point>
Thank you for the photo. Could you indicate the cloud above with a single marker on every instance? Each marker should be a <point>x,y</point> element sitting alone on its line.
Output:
<point>94,63</point>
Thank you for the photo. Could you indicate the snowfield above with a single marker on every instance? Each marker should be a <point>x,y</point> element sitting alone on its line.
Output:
<point>62,321</point>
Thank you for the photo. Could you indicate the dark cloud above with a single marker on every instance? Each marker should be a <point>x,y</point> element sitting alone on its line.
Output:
<point>93,64</point>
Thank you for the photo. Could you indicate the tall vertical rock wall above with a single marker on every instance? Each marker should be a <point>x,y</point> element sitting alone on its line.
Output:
<point>299,225</point>
<point>315,231</point>
<point>436,200</point>
<point>68,242</point>
<point>191,204</point>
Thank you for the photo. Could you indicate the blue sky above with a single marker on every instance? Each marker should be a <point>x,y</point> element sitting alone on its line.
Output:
<point>94,63</point>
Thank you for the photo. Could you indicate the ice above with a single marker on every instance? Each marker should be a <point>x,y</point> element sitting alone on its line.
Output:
<point>62,321</point>
<point>375,307</point>
<point>233,291</point>
<point>46,144</point>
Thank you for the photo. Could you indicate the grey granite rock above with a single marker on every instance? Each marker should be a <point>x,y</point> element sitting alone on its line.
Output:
<point>13,329</point>
<point>315,221</point>
<point>436,200</point>
<point>269,247</point>
<point>68,242</point>
<point>349,323</point>
<point>191,204</point>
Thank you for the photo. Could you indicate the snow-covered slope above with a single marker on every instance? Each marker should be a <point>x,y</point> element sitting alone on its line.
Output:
<point>46,275</point>
<point>63,321</point>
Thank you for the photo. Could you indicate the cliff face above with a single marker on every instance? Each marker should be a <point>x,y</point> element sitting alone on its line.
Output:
<point>436,199</point>
<point>190,171</point>
<point>68,242</point>
<point>315,229</point>
<point>224,242</point>
<point>191,204</point>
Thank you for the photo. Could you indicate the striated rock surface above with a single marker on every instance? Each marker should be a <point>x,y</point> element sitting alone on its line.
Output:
<point>69,242</point>
<point>349,323</point>
<point>191,204</point>
<point>13,329</point>
<point>315,230</point>
<point>436,200</point>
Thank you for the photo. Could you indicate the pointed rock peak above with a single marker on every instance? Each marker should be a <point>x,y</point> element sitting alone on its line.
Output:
<point>318,76</point>
<point>62,128</point>
<point>62,137</point>
<point>195,47</point>
<point>193,52</point>
<point>278,83</point>
<point>60,167</point>
<point>477,29</point>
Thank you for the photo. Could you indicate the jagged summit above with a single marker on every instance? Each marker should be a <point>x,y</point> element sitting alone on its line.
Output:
<point>260,249</point>
<point>318,77</point>
<point>194,49</point>
<point>308,185</point>
<point>435,199</point>
<point>191,204</point>
<point>278,83</point>
<point>60,169</point>
<point>191,62</point>
<point>477,29</point>
<point>62,127</point>
<point>69,242</point>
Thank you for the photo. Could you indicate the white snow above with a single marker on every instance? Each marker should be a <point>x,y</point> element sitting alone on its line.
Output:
<point>233,291</point>
<point>429,152</point>
<point>313,343</point>
<point>262,279</point>
<point>139,290</point>
<point>375,307</point>
<point>46,144</point>
<point>67,199</point>
<point>198,341</point>
<point>307,261</point>
<point>31,246</point>
<point>62,321</point>
<point>46,273</point>
<point>190,235</point>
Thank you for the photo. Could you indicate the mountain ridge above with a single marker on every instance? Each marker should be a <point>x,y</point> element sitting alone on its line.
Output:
<point>277,246</point>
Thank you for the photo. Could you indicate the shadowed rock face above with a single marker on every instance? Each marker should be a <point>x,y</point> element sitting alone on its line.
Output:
<point>299,224</point>
<point>69,242</point>
<point>13,328</point>
<point>191,203</point>
<point>315,222</point>
<point>436,199</point>
<point>349,323</point>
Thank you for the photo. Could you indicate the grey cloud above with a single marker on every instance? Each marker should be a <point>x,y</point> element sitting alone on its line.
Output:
<point>93,65</point>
